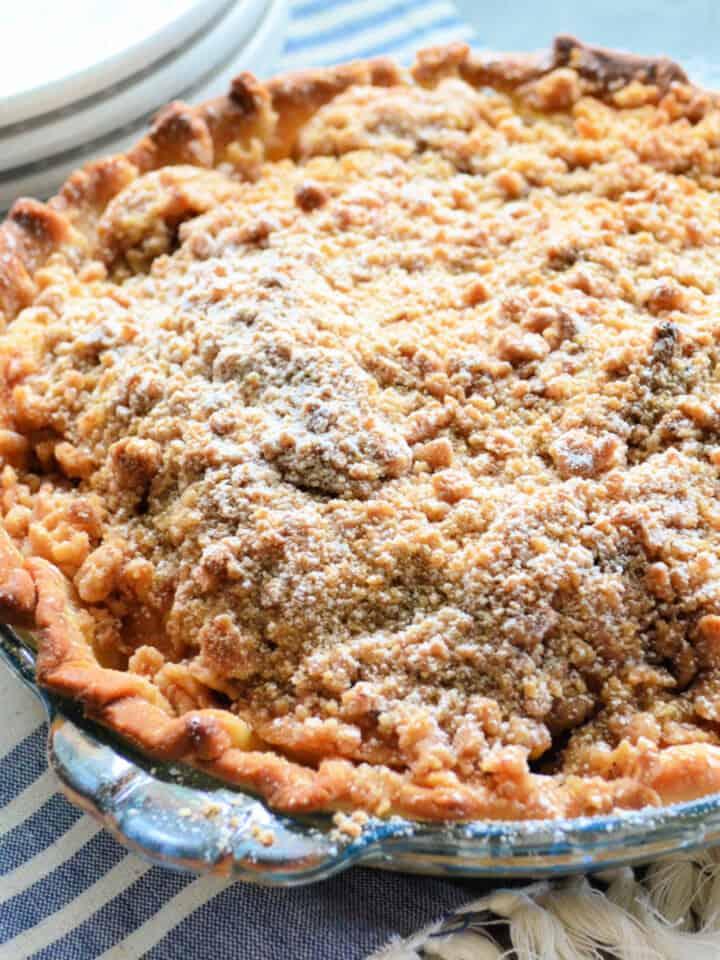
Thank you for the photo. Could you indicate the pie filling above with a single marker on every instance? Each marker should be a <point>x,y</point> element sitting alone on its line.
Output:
<point>406,451</point>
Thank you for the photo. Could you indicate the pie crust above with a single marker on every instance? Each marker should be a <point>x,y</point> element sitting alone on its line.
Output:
<point>360,436</point>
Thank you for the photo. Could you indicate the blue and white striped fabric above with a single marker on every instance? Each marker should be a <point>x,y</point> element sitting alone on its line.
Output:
<point>323,32</point>
<point>68,891</point>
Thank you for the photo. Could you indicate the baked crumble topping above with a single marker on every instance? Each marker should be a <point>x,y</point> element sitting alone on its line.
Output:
<point>404,450</point>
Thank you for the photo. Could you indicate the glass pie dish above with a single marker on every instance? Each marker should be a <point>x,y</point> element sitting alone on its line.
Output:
<point>179,818</point>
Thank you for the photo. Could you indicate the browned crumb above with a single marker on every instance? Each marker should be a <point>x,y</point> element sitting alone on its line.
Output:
<point>263,835</point>
<point>349,825</point>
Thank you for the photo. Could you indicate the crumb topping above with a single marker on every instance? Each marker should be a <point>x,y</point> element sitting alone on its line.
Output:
<point>405,452</point>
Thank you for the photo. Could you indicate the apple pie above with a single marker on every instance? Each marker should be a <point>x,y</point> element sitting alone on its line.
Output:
<point>360,436</point>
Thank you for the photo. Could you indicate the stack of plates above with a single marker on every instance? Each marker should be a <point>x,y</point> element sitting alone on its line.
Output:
<point>97,71</point>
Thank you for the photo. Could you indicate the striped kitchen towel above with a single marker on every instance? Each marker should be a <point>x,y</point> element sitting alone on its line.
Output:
<point>68,891</point>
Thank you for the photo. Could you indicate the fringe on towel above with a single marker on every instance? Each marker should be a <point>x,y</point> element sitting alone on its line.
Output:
<point>667,911</point>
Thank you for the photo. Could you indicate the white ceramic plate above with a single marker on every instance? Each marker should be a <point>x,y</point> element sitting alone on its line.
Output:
<point>79,47</point>
<point>258,53</point>
<point>131,103</point>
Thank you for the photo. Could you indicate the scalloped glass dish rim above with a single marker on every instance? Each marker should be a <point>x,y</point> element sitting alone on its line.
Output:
<point>179,818</point>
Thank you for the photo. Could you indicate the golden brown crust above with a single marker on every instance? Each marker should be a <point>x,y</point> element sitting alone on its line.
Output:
<point>271,114</point>
<point>17,589</point>
<point>28,236</point>
<point>257,122</point>
<point>605,71</point>
<point>222,745</point>
<point>609,69</point>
